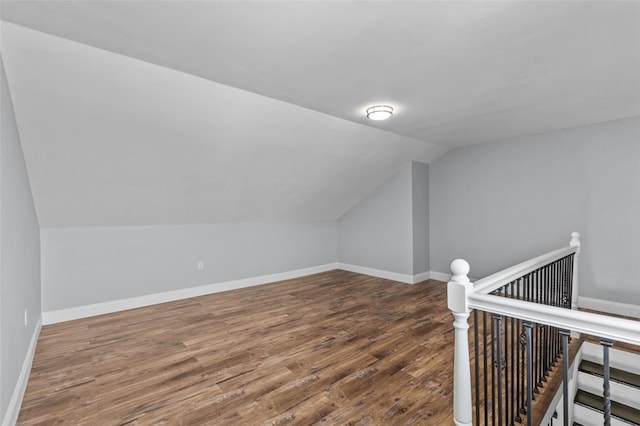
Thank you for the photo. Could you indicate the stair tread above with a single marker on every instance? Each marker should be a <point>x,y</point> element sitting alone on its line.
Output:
<point>615,374</point>
<point>621,411</point>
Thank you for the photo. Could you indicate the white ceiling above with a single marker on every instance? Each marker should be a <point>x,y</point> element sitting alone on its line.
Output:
<point>145,112</point>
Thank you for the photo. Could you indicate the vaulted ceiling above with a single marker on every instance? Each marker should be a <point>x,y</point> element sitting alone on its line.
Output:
<point>150,112</point>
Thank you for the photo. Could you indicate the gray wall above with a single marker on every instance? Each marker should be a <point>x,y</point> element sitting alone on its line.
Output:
<point>389,229</point>
<point>83,266</point>
<point>377,232</point>
<point>501,203</point>
<point>19,253</point>
<point>420,211</point>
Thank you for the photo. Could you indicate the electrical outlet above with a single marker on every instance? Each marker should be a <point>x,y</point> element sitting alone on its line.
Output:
<point>200,265</point>
<point>26,318</point>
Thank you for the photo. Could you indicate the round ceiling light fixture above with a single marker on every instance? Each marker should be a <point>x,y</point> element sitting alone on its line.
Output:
<point>379,112</point>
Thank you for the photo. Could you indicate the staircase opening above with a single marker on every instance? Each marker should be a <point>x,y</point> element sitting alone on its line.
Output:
<point>534,357</point>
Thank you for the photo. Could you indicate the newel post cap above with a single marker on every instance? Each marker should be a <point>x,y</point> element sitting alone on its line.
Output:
<point>460,269</point>
<point>575,239</point>
<point>459,286</point>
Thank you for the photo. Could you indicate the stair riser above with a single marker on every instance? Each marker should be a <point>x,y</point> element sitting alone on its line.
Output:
<point>588,417</point>
<point>617,359</point>
<point>623,394</point>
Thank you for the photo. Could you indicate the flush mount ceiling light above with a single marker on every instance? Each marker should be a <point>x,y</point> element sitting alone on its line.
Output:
<point>379,112</point>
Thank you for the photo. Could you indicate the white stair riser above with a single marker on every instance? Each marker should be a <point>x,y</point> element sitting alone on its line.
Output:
<point>621,393</point>
<point>622,360</point>
<point>588,417</point>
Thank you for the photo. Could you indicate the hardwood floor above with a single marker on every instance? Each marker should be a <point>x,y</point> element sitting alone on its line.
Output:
<point>332,348</point>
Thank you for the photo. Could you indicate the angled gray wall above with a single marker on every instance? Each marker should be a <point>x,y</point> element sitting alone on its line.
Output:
<point>19,254</point>
<point>83,266</point>
<point>500,203</point>
<point>376,233</point>
<point>388,230</point>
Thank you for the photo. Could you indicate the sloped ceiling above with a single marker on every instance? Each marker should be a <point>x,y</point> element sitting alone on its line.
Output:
<point>145,112</point>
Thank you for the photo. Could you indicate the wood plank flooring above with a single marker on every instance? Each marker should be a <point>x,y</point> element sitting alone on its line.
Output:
<point>331,348</point>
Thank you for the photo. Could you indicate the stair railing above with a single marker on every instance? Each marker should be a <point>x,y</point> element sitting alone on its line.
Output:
<point>533,310</point>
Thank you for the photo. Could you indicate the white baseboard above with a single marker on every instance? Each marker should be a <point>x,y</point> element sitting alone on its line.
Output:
<point>609,307</point>
<point>440,276</point>
<point>423,276</point>
<point>378,273</point>
<point>85,311</point>
<point>11,416</point>
<point>394,276</point>
<point>61,315</point>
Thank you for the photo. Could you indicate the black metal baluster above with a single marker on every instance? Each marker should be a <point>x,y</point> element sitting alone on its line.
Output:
<point>566,284</point>
<point>547,329</point>
<point>565,376</point>
<point>552,330</point>
<point>606,394</point>
<point>567,279</point>
<point>534,283</point>
<point>522,364</point>
<point>493,373</point>
<point>559,292</point>
<point>570,286</point>
<point>514,412</point>
<point>536,341</point>
<point>534,279</point>
<point>554,333</point>
<point>542,332</point>
<point>505,364</point>
<point>556,342</point>
<point>514,384</point>
<point>556,302</point>
<point>558,284</point>
<point>563,279</point>
<point>541,328</point>
<point>476,356</point>
<point>498,364</point>
<point>527,330</point>
<point>519,378</point>
<point>485,369</point>
<point>569,289</point>
<point>516,344</point>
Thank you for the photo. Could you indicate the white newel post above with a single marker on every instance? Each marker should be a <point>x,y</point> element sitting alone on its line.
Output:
<point>457,290</point>
<point>575,242</point>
